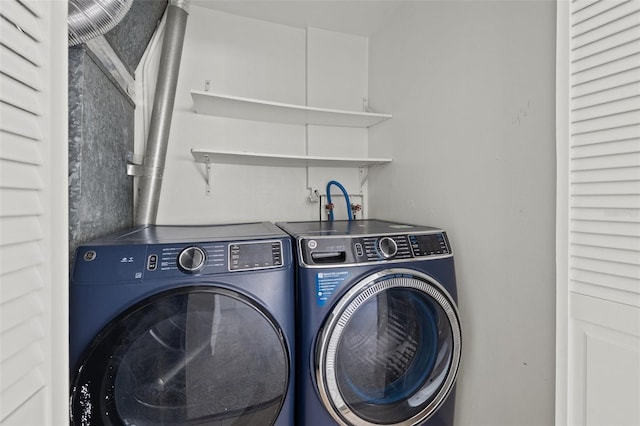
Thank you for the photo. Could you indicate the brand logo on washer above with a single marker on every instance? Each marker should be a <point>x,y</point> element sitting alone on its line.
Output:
<point>90,255</point>
<point>312,244</point>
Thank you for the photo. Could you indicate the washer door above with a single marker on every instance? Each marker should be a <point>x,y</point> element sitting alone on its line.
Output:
<point>197,355</point>
<point>389,352</point>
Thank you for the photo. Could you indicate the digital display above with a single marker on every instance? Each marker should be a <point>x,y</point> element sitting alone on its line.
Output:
<point>425,245</point>
<point>248,256</point>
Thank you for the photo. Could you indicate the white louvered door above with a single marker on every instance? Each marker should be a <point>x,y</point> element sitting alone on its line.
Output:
<point>599,213</point>
<point>33,213</point>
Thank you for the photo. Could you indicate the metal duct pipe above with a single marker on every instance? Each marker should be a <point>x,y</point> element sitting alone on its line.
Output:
<point>88,19</point>
<point>150,181</point>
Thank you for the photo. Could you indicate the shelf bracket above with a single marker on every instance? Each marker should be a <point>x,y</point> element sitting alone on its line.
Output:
<point>364,175</point>
<point>208,174</point>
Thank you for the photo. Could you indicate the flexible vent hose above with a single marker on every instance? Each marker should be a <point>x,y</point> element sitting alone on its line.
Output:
<point>346,198</point>
<point>89,19</point>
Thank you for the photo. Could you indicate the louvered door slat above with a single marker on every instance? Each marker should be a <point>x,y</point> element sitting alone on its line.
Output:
<point>607,175</point>
<point>16,202</point>
<point>607,214</point>
<point>606,148</point>
<point>622,119</point>
<point>605,188</point>
<point>19,365</point>
<point>581,5</point>
<point>36,7</point>
<point>601,266</point>
<point>20,149</point>
<point>18,68</point>
<point>630,257</point>
<point>12,398</point>
<point>614,282</point>
<point>611,201</point>
<point>624,242</point>
<point>19,256</point>
<point>606,69</point>
<point>607,161</point>
<point>19,283</point>
<point>596,48</point>
<point>19,122</point>
<point>626,23</point>
<point>594,9</point>
<point>583,61</point>
<point>21,43</point>
<point>606,20</point>
<point>20,229</point>
<point>17,339</point>
<point>628,105</point>
<point>628,229</point>
<point>605,96</point>
<point>20,310</point>
<point>19,175</point>
<point>22,17</point>
<point>607,135</point>
<point>607,82</point>
<point>19,95</point>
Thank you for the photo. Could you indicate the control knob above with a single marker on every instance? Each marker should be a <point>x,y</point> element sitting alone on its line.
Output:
<point>191,259</point>
<point>387,247</point>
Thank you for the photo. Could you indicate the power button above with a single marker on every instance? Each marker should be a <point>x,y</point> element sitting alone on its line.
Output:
<point>359,250</point>
<point>152,262</point>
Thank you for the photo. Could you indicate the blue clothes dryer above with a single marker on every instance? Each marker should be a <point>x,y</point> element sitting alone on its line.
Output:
<point>183,325</point>
<point>379,339</point>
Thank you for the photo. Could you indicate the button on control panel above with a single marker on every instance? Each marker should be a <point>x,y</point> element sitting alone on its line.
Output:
<point>191,259</point>
<point>152,262</point>
<point>387,247</point>
<point>359,249</point>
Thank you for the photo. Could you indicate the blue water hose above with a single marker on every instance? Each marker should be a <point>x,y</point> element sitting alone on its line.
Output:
<point>346,198</point>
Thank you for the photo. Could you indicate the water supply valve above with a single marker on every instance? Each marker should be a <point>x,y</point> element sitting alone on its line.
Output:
<point>329,208</point>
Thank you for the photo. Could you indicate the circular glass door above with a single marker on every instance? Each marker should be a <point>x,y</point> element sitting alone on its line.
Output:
<point>197,355</point>
<point>390,350</point>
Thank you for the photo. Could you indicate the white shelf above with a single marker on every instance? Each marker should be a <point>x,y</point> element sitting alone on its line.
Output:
<point>255,109</point>
<point>208,156</point>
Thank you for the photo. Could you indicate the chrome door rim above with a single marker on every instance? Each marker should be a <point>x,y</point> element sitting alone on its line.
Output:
<point>329,337</point>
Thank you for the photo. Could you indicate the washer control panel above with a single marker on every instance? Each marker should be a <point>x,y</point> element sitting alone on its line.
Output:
<point>153,261</point>
<point>375,248</point>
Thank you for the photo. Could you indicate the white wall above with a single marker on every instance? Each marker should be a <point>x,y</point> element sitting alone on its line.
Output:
<point>471,89</point>
<point>257,59</point>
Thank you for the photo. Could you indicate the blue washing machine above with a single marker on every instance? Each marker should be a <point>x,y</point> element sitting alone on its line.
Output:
<point>183,325</point>
<point>379,339</point>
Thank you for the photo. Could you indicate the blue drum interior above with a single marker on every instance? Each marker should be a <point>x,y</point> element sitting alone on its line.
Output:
<point>388,347</point>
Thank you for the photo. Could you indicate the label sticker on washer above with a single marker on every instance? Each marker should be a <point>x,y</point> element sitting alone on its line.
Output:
<point>326,284</point>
